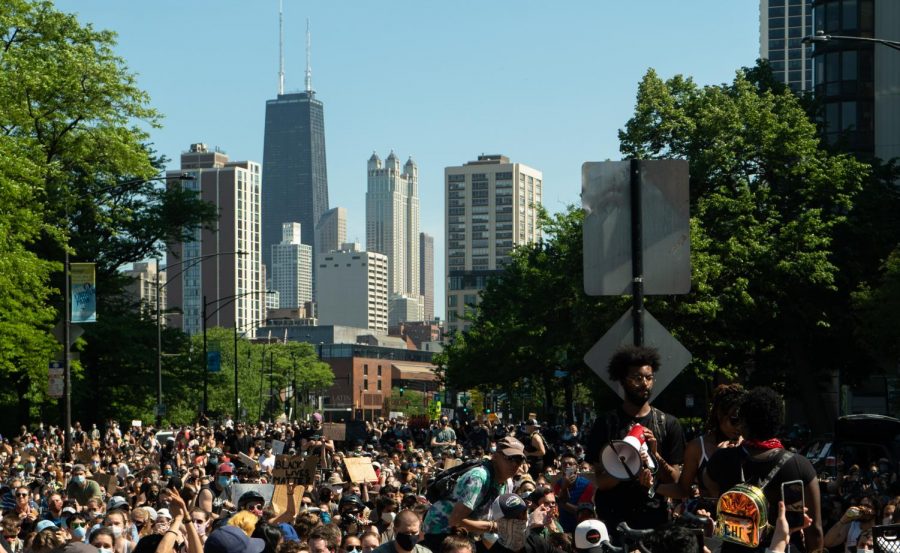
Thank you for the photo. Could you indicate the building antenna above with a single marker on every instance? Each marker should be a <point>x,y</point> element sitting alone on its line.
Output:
<point>280,47</point>
<point>308,66</point>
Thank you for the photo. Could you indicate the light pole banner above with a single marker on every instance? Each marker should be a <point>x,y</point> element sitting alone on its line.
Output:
<point>84,293</point>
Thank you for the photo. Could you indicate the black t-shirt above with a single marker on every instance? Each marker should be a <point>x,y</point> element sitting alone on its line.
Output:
<point>628,501</point>
<point>724,468</point>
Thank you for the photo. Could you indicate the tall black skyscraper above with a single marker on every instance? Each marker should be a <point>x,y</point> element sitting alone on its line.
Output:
<point>295,179</point>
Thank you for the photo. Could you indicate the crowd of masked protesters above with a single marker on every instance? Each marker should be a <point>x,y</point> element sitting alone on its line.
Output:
<point>446,486</point>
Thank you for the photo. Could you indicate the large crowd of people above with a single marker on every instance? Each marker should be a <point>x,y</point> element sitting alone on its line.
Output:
<point>447,486</point>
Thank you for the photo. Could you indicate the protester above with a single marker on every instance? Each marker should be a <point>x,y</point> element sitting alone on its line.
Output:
<point>631,501</point>
<point>761,414</point>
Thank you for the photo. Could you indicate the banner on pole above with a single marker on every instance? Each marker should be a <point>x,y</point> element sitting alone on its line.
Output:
<point>84,293</point>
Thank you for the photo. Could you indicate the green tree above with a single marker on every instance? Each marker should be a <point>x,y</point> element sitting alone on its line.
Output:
<point>768,203</point>
<point>74,111</point>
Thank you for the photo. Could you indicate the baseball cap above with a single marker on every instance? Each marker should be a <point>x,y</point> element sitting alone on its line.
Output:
<point>116,502</point>
<point>510,505</point>
<point>225,468</point>
<point>317,416</point>
<point>589,534</point>
<point>164,513</point>
<point>288,532</point>
<point>510,446</point>
<point>44,524</point>
<point>231,539</point>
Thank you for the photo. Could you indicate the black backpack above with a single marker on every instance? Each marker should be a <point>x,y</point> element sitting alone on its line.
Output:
<point>441,485</point>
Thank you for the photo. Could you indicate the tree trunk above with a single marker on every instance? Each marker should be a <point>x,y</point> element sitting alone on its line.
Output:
<point>549,408</point>
<point>24,405</point>
<point>570,399</point>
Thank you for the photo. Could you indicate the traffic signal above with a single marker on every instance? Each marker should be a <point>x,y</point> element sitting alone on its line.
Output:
<point>402,389</point>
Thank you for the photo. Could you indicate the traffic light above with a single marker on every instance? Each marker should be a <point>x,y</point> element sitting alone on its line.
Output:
<point>402,389</point>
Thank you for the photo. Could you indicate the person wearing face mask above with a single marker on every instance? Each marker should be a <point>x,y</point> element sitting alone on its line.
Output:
<point>116,521</point>
<point>369,542</point>
<point>445,437</point>
<point>103,539</point>
<point>80,488</point>
<point>407,528</point>
<point>351,544</point>
<point>510,513</point>
<point>76,525</point>
<point>387,508</point>
<point>163,521</point>
<point>216,498</point>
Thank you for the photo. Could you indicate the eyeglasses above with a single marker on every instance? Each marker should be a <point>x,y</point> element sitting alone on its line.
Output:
<point>638,378</point>
<point>18,494</point>
<point>517,459</point>
<point>78,524</point>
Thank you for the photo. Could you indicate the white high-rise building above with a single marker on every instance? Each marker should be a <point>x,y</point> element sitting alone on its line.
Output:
<point>353,288</point>
<point>230,278</point>
<point>291,268</point>
<point>492,206</point>
<point>392,220</point>
<point>403,309</point>
<point>331,230</point>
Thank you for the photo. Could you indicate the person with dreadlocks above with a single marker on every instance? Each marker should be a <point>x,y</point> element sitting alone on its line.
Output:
<point>721,430</point>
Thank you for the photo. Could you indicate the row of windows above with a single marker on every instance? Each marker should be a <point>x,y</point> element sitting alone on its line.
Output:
<point>797,21</point>
<point>845,15</point>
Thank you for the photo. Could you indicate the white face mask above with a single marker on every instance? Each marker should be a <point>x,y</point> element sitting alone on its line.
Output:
<point>388,517</point>
<point>512,533</point>
<point>104,550</point>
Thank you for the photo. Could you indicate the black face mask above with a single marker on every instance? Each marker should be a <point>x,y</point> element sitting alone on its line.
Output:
<point>407,541</point>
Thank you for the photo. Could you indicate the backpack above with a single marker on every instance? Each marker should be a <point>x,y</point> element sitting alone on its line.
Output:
<point>441,485</point>
<point>742,511</point>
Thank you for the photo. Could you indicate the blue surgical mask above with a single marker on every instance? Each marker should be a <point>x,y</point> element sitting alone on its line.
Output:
<point>79,532</point>
<point>78,479</point>
<point>223,480</point>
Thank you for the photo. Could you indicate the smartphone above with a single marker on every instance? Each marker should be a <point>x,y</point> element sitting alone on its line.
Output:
<point>794,502</point>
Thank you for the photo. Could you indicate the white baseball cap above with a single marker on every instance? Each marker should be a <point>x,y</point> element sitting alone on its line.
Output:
<point>589,534</point>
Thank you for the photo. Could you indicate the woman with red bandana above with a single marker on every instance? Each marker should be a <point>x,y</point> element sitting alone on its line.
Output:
<point>760,415</point>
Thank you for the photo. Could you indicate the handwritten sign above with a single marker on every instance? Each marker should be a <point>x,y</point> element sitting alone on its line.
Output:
<point>294,469</point>
<point>280,499</point>
<point>360,469</point>
<point>277,447</point>
<point>265,490</point>
<point>449,463</point>
<point>336,431</point>
<point>107,482</point>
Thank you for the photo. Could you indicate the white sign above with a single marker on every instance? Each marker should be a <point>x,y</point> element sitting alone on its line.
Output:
<point>673,356</point>
<point>277,447</point>
<point>56,380</point>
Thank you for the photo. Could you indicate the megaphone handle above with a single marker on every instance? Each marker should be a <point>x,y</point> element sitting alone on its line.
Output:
<point>621,459</point>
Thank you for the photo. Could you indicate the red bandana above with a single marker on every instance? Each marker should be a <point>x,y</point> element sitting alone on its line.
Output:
<point>773,443</point>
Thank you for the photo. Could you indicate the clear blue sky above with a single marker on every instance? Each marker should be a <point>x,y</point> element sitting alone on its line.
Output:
<point>546,83</point>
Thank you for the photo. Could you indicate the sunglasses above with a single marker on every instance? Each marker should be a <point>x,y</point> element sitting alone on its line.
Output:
<point>21,494</point>
<point>518,459</point>
<point>78,524</point>
<point>255,507</point>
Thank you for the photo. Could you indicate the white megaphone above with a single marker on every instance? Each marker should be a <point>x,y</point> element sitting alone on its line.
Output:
<point>622,458</point>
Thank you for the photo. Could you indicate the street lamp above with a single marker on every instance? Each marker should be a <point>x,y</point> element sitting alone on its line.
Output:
<point>67,308</point>
<point>169,278</point>
<point>820,38</point>
<point>205,317</point>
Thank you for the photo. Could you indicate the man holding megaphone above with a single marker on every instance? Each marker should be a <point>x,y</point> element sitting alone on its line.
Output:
<point>634,447</point>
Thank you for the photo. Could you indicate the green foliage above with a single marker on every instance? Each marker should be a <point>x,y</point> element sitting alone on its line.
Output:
<point>877,310</point>
<point>770,209</point>
<point>76,164</point>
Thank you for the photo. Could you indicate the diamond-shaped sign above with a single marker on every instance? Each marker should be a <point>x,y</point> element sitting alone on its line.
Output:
<point>673,356</point>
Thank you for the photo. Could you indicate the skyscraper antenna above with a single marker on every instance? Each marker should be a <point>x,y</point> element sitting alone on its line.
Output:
<point>308,66</point>
<point>280,47</point>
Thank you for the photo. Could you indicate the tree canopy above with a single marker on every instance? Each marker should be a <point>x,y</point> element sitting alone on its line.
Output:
<point>771,207</point>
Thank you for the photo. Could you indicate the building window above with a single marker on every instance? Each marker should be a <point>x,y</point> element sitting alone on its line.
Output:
<point>366,384</point>
<point>379,373</point>
<point>366,369</point>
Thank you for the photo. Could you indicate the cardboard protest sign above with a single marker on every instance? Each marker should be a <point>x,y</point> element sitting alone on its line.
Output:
<point>265,490</point>
<point>294,469</point>
<point>279,500</point>
<point>108,482</point>
<point>360,469</point>
<point>277,447</point>
<point>450,463</point>
<point>84,456</point>
<point>247,460</point>
<point>336,431</point>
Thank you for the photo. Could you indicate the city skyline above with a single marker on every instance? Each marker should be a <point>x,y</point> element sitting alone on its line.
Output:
<point>570,86</point>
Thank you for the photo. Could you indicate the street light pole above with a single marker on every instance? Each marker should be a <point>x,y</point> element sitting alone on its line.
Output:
<point>205,363</point>
<point>820,38</point>
<point>158,351</point>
